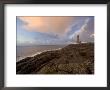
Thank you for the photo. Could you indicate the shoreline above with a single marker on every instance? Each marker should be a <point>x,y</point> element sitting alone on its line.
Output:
<point>23,57</point>
<point>32,55</point>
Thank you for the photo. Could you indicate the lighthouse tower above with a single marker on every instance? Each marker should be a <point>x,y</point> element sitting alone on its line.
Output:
<point>78,41</point>
<point>77,38</point>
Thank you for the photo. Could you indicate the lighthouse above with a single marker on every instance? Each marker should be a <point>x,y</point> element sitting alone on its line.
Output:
<point>77,38</point>
<point>78,41</point>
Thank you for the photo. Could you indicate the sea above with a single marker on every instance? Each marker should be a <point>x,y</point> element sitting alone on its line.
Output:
<point>29,51</point>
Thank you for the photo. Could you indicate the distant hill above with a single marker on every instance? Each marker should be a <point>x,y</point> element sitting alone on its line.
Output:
<point>72,59</point>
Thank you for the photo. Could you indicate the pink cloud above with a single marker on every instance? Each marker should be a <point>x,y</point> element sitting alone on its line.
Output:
<point>47,24</point>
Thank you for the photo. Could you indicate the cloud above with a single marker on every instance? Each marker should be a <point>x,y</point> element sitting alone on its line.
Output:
<point>55,24</point>
<point>54,30</point>
<point>84,27</point>
<point>85,31</point>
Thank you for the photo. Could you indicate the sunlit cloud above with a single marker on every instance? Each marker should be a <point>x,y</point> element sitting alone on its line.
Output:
<point>56,24</point>
<point>85,32</point>
<point>54,30</point>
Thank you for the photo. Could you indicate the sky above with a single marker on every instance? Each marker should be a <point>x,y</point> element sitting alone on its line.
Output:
<point>54,30</point>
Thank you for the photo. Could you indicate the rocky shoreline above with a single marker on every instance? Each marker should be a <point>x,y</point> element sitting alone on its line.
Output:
<point>72,59</point>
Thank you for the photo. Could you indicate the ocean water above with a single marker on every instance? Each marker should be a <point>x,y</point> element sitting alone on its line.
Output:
<point>27,51</point>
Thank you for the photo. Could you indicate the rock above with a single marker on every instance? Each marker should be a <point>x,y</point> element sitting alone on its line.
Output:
<point>72,59</point>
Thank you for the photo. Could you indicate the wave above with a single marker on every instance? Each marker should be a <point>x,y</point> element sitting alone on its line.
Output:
<point>32,55</point>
